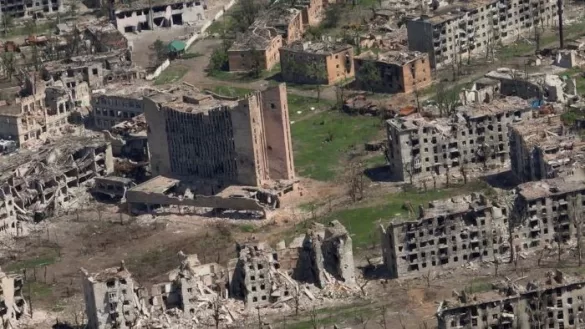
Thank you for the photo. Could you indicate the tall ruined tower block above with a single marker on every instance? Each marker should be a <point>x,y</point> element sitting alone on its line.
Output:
<point>279,152</point>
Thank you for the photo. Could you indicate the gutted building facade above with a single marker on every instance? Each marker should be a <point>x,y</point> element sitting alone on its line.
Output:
<point>136,16</point>
<point>227,142</point>
<point>116,104</point>
<point>447,234</point>
<point>316,63</point>
<point>255,49</point>
<point>393,71</point>
<point>29,9</point>
<point>469,28</point>
<point>112,299</point>
<point>476,133</point>
<point>544,148</point>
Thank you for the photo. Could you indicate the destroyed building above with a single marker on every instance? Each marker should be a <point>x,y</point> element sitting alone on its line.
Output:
<point>483,90</point>
<point>555,302</point>
<point>316,63</point>
<point>474,134</point>
<point>130,146</point>
<point>34,114</point>
<point>29,9</point>
<point>262,275</point>
<point>117,103</point>
<point>399,71</point>
<point>112,299</point>
<point>13,305</point>
<point>545,212</point>
<point>44,180</point>
<point>544,148</point>
<point>468,28</point>
<point>312,11</point>
<point>259,46</point>
<point>447,234</point>
<point>149,15</point>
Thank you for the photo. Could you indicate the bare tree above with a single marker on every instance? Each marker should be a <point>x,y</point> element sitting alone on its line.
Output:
<point>216,311</point>
<point>408,168</point>
<point>463,169</point>
<point>446,99</point>
<point>355,181</point>
<point>428,277</point>
<point>447,176</point>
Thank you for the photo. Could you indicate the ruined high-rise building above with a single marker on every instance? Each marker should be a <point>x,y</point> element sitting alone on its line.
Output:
<point>447,234</point>
<point>12,302</point>
<point>474,134</point>
<point>544,148</point>
<point>222,142</point>
<point>112,299</point>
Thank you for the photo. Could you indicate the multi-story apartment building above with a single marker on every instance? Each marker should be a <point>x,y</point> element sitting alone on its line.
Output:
<point>29,9</point>
<point>554,303</point>
<point>258,47</point>
<point>316,63</point>
<point>399,71</point>
<point>149,15</point>
<point>226,142</point>
<point>465,29</point>
<point>476,133</point>
<point>13,304</point>
<point>116,104</point>
<point>544,148</point>
<point>447,234</point>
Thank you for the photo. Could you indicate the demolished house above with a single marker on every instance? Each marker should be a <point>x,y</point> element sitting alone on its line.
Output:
<point>474,134</point>
<point>130,147</point>
<point>54,176</point>
<point>263,276</point>
<point>544,148</point>
<point>112,299</point>
<point>13,305</point>
<point>216,152</point>
<point>446,234</point>
<point>555,302</point>
<point>313,266</point>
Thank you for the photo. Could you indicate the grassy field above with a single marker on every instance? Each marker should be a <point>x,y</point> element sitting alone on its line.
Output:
<point>173,73</point>
<point>231,91</point>
<point>322,140</point>
<point>45,257</point>
<point>243,76</point>
<point>362,218</point>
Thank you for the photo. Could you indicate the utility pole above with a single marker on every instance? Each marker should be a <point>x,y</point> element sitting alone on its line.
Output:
<point>560,10</point>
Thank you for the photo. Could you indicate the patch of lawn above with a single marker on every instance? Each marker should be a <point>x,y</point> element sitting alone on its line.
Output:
<point>37,290</point>
<point>47,257</point>
<point>171,74</point>
<point>231,91</point>
<point>242,76</point>
<point>329,316</point>
<point>321,141</point>
<point>479,285</point>
<point>298,103</point>
<point>376,161</point>
<point>361,221</point>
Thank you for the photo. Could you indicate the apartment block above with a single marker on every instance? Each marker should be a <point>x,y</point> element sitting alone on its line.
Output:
<point>446,234</point>
<point>544,212</point>
<point>117,103</point>
<point>288,22</point>
<point>399,72</point>
<point>468,28</point>
<point>475,134</point>
<point>30,9</point>
<point>136,16</point>
<point>554,302</point>
<point>112,299</point>
<point>13,305</point>
<point>225,142</point>
<point>316,62</point>
<point>544,148</point>
<point>258,47</point>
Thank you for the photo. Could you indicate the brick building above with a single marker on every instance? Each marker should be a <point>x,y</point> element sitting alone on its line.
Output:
<point>257,47</point>
<point>312,11</point>
<point>399,72</point>
<point>544,148</point>
<point>446,234</point>
<point>316,63</point>
<point>225,142</point>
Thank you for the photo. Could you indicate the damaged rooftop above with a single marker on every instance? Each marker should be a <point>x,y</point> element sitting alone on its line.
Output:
<point>392,57</point>
<point>454,10</point>
<point>497,106</point>
<point>320,47</point>
<point>549,187</point>
<point>258,38</point>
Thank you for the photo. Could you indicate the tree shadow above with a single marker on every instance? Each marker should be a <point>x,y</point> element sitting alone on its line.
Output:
<point>380,174</point>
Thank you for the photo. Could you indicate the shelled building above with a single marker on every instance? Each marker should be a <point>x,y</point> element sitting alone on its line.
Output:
<point>136,16</point>
<point>468,28</point>
<point>474,134</point>
<point>447,234</point>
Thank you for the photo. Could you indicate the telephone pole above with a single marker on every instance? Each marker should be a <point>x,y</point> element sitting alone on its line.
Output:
<point>560,11</point>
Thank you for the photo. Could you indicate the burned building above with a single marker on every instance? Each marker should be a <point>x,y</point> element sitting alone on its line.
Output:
<point>149,15</point>
<point>43,181</point>
<point>555,302</point>
<point>447,234</point>
<point>546,212</point>
<point>198,137</point>
<point>544,148</point>
<point>112,299</point>
<point>316,63</point>
<point>29,9</point>
<point>117,103</point>
<point>483,90</point>
<point>262,275</point>
<point>475,134</point>
<point>472,27</point>
<point>397,71</point>
<point>13,305</point>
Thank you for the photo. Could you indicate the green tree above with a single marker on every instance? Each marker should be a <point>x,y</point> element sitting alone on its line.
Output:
<point>219,60</point>
<point>317,71</point>
<point>7,23</point>
<point>369,75</point>
<point>245,14</point>
<point>160,50</point>
<point>8,64</point>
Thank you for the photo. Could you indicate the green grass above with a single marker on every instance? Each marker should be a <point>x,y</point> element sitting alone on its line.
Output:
<point>361,221</point>
<point>321,141</point>
<point>243,76</point>
<point>231,91</point>
<point>298,103</point>
<point>191,55</point>
<point>247,228</point>
<point>24,31</point>
<point>48,257</point>
<point>172,74</point>
<point>376,161</point>
<point>479,285</point>
<point>569,117</point>
<point>37,290</point>
<point>334,315</point>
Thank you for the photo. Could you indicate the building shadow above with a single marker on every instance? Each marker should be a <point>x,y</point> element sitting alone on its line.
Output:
<point>380,174</point>
<point>374,272</point>
<point>504,180</point>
